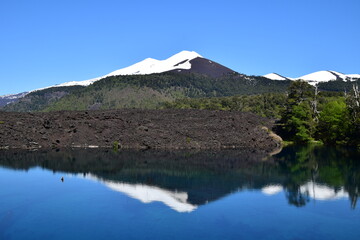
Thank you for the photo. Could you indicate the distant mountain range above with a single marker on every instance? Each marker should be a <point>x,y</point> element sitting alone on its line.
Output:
<point>189,66</point>
<point>317,77</point>
<point>6,99</point>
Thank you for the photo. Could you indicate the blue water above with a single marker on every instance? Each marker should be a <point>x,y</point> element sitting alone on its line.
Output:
<point>36,204</point>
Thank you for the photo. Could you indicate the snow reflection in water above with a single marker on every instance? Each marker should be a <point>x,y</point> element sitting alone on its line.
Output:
<point>148,194</point>
<point>314,190</point>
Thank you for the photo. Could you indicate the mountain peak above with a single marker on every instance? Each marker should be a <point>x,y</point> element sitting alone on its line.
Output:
<point>319,76</point>
<point>180,60</point>
<point>184,55</point>
<point>322,76</point>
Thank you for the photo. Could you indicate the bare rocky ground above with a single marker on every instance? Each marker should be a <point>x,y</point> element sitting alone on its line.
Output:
<point>137,129</point>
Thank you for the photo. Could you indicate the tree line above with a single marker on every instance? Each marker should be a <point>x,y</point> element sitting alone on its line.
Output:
<point>309,116</point>
<point>304,113</point>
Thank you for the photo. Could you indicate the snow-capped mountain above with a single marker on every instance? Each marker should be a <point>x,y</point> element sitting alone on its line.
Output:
<point>184,61</point>
<point>321,76</point>
<point>6,99</point>
<point>317,77</point>
<point>187,62</point>
<point>13,96</point>
<point>178,61</point>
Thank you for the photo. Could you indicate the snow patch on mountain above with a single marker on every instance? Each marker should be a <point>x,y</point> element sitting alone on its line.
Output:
<point>352,76</point>
<point>321,76</point>
<point>9,98</point>
<point>13,96</point>
<point>149,65</point>
<point>275,76</point>
<point>326,76</point>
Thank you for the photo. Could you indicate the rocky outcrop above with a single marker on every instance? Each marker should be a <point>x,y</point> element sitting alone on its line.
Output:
<point>136,129</point>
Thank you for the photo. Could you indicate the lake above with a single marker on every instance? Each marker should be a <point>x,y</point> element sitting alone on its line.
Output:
<point>301,193</point>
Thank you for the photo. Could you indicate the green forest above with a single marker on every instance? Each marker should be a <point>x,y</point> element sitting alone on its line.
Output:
<point>304,113</point>
<point>310,116</point>
<point>158,90</point>
<point>144,91</point>
<point>266,105</point>
<point>334,166</point>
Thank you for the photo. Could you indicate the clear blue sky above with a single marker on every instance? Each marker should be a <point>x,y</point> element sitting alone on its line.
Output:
<point>45,42</point>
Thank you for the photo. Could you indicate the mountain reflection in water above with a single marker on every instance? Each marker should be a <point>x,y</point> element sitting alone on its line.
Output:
<point>186,180</point>
<point>147,194</point>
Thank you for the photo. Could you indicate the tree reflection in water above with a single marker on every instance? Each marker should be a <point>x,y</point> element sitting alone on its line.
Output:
<point>196,178</point>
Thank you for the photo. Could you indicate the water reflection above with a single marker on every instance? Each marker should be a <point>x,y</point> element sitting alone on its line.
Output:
<point>147,194</point>
<point>186,180</point>
<point>312,190</point>
<point>320,173</point>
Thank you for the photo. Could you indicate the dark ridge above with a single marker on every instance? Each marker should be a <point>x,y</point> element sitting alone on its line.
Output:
<point>205,67</point>
<point>282,76</point>
<point>336,75</point>
<point>180,63</point>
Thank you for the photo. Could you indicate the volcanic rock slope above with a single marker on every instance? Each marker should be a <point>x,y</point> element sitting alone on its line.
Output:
<point>137,129</point>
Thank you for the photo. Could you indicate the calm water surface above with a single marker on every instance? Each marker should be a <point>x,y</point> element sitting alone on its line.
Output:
<point>301,193</point>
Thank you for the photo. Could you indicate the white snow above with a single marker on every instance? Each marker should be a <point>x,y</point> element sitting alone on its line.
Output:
<point>317,77</point>
<point>321,76</point>
<point>353,75</point>
<point>7,96</point>
<point>14,96</point>
<point>274,76</point>
<point>150,65</point>
<point>325,76</point>
<point>147,194</point>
